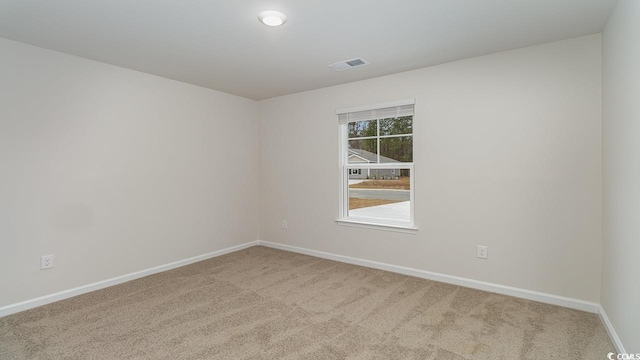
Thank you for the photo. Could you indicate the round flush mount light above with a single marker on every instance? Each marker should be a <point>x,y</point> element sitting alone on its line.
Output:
<point>272,18</point>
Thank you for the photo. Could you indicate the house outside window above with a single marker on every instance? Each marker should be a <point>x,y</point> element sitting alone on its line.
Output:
<point>376,165</point>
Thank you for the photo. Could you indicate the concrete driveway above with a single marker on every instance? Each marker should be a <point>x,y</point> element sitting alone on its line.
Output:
<point>399,211</point>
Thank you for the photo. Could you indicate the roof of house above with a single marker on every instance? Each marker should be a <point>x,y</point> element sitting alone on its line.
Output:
<point>370,157</point>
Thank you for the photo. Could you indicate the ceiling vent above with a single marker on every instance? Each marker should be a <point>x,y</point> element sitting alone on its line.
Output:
<point>348,64</point>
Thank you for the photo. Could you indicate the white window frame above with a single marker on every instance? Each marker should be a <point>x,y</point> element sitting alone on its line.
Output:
<point>345,166</point>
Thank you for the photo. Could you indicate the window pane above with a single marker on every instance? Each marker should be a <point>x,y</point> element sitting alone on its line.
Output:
<point>382,194</point>
<point>363,151</point>
<point>363,128</point>
<point>396,149</point>
<point>396,126</point>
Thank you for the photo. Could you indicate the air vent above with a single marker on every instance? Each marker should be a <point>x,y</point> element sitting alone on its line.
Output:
<point>348,64</point>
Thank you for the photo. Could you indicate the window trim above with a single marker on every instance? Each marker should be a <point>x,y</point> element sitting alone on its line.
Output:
<point>344,166</point>
<point>378,226</point>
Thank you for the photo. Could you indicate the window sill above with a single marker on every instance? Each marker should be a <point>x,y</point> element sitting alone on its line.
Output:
<point>407,229</point>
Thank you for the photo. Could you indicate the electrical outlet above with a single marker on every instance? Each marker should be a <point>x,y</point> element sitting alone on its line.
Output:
<point>46,262</point>
<point>284,224</point>
<point>483,252</point>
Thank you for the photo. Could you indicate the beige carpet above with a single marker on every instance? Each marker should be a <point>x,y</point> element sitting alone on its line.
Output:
<point>261,303</point>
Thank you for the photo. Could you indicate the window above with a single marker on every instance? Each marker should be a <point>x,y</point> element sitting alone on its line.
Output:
<point>376,164</point>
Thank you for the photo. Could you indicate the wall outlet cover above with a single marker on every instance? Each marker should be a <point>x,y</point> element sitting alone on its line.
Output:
<point>46,262</point>
<point>483,252</point>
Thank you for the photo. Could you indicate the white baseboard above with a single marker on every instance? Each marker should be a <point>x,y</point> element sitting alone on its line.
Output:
<point>65,294</point>
<point>474,284</point>
<point>610,330</point>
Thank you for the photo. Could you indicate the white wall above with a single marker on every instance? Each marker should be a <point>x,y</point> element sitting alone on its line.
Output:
<point>115,171</point>
<point>621,169</point>
<point>507,154</point>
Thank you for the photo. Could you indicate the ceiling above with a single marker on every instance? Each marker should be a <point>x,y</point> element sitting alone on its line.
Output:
<point>220,44</point>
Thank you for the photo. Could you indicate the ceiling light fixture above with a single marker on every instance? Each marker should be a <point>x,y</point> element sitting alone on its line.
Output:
<point>272,18</point>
